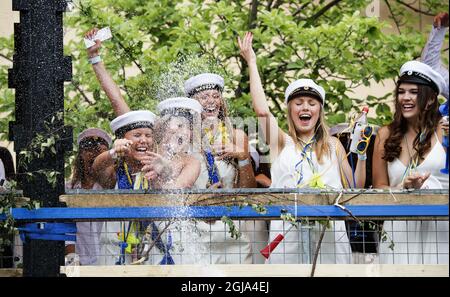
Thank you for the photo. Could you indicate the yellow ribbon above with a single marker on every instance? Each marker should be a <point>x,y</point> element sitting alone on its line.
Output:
<point>131,239</point>
<point>316,182</point>
<point>223,133</point>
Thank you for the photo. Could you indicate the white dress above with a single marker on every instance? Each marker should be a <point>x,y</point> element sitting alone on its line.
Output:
<point>299,243</point>
<point>418,242</point>
<point>87,245</point>
<point>216,243</point>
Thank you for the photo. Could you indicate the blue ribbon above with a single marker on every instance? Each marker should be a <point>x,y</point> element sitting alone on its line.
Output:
<point>48,231</point>
<point>123,183</point>
<point>167,259</point>
<point>123,245</point>
<point>212,169</point>
<point>122,179</point>
<point>303,156</point>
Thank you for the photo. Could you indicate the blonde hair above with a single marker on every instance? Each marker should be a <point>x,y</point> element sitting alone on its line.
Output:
<point>322,135</point>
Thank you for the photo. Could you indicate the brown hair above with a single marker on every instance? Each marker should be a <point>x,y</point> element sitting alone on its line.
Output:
<point>322,135</point>
<point>427,122</point>
<point>78,164</point>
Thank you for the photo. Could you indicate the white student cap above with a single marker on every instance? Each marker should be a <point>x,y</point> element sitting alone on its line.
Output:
<point>95,133</point>
<point>304,86</point>
<point>177,104</point>
<point>419,73</point>
<point>132,120</point>
<point>204,81</point>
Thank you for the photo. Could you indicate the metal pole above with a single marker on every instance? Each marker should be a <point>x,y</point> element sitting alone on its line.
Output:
<point>38,75</point>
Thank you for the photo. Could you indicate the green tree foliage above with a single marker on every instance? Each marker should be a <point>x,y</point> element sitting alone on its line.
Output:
<point>167,41</point>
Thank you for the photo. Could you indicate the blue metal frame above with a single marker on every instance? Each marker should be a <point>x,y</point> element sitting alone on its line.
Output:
<point>207,212</point>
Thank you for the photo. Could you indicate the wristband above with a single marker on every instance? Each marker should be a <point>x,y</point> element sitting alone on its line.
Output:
<point>242,163</point>
<point>113,154</point>
<point>362,157</point>
<point>95,60</point>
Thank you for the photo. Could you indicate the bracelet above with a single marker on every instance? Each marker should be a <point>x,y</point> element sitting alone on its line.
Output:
<point>95,60</point>
<point>113,154</point>
<point>242,163</point>
<point>362,157</point>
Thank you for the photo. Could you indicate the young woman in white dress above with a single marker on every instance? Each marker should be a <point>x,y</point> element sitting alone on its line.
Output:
<point>408,154</point>
<point>225,163</point>
<point>91,143</point>
<point>305,157</point>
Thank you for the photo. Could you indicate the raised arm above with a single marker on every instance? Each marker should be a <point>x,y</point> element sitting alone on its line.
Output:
<point>107,83</point>
<point>431,54</point>
<point>273,135</point>
<point>104,170</point>
<point>104,165</point>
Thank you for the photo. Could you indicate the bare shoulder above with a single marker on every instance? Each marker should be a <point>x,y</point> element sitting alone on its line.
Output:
<point>335,141</point>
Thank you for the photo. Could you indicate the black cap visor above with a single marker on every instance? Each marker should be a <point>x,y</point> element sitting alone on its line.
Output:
<point>419,79</point>
<point>305,92</point>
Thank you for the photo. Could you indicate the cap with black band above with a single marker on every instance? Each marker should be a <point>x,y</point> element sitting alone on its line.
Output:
<point>416,72</point>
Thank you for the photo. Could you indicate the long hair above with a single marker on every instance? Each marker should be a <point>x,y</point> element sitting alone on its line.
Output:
<point>78,171</point>
<point>78,175</point>
<point>8,163</point>
<point>427,122</point>
<point>322,135</point>
<point>223,115</point>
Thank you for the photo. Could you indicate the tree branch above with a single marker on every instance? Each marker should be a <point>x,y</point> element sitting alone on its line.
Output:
<point>6,58</point>
<point>414,9</point>
<point>253,14</point>
<point>77,86</point>
<point>127,51</point>
<point>301,8</point>
<point>324,10</point>
<point>393,16</point>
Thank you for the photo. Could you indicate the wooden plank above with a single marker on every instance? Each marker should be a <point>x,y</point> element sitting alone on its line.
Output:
<point>259,270</point>
<point>375,198</point>
<point>10,272</point>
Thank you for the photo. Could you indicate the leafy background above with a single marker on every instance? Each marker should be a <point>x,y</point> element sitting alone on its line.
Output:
<point>156,45</point>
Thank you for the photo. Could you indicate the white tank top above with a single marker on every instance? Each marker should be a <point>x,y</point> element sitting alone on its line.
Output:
<point>433,163</point>
<point>284,172</point>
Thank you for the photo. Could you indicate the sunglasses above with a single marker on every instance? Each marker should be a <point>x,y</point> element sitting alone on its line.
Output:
<point>363,144</point>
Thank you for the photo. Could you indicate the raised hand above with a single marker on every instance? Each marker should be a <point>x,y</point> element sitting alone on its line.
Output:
<point>93,51</point>
<point>441,19</point>
<point>229,151</point>
<point>155,166</point>
<point>246,47</point>
<point>122,146</point>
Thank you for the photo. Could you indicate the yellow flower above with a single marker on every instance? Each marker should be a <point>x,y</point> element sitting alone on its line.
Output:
<point>316,182</point>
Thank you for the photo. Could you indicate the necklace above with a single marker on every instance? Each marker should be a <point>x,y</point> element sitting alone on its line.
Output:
<point>411,159</point>
<point>412,163</point>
